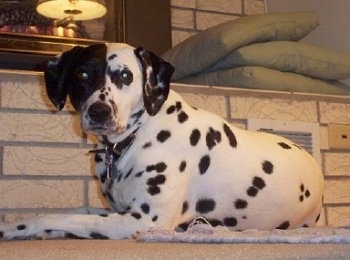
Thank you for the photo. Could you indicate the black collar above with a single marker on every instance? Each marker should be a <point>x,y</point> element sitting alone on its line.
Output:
<point>113,151</point>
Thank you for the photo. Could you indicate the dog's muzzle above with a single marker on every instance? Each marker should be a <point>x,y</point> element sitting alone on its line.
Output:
<point>99,113</point>
<point>99,119</point>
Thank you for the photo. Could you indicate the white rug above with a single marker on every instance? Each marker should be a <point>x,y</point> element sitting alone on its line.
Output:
<point>204,233</point>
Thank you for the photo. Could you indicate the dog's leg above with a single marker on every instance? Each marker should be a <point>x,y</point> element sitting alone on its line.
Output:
<point>112,226</point>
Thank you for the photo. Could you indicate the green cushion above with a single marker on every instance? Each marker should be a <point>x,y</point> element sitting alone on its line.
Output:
<point>295,57</point>
<point>204,49</point>
<point>263,78</point>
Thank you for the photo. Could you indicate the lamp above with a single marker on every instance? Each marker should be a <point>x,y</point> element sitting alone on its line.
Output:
<point>78,9</point>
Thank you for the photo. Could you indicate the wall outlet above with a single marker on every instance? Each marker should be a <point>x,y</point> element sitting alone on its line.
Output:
<point>339,136</point>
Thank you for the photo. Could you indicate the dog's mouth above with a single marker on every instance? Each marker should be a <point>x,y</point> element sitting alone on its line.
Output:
<point>103,130</point>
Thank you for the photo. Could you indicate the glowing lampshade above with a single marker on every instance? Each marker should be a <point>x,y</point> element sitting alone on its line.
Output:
<point>78,9</point>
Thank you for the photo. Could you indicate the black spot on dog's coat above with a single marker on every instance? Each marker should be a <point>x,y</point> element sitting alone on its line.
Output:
<point>182,166</point>
<point>215,222</point>
<point>182,117</point>
<point>145,208</point>
<point>163,135</point>
<point>230,135</point>
<point>184,207</point>
<point>241,204</point>
<point>284,145</point>
<point>155,218</point>
<point>128,174</point>
<point>147,145</point>
<point>204,164</point>
<point>136,215</point>
<point>159,167</point>
<point>259,183</point>
<point>159,179</point>
<point>72,236</point>
<point>213,137</point>
<point>204,206</point>
<point>230,222</point>
<point>284,225</point>
<point>21,227</point>
<point>267,167</point>
<point>96,235</point>
<point>153,190</point>
<point>170,110</point>
<point>195,136</point>
<point>252,191</point>
<point>139,174</point>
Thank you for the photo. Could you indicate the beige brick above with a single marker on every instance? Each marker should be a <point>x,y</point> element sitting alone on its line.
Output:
<point>337,164</point>
<point>322,220</point>
<point>25,91</point>
<point>337,191</point>
<point>324,139</point>
<point>334,113</point>
<point>212,103</point>
<point>278,109</point>
<point>184,3</point>
<point>206,20</point>
<point>182,19</point>
<point>339,216</point>
<point>39,127</point>
<point>41,194</point>
<point>223,6</point>
<point>254,7</point>
<point>95,198</point>
<point>47,161</point>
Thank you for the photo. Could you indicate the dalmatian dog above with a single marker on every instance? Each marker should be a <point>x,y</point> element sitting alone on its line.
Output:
<point>162,163</point>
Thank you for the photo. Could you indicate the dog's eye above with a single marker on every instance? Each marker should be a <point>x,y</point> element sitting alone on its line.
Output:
<point>84,75</point>
<point>126,76</point>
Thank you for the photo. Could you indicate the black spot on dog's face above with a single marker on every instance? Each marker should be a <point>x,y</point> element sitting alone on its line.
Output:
<point>121,77</point>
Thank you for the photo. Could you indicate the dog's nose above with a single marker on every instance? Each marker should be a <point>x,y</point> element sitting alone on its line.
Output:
<point>99,112</point>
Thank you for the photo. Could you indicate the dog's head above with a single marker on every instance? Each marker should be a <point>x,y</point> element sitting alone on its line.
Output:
<point>107,83</point>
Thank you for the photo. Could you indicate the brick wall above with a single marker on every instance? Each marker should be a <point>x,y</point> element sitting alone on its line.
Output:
<point>45,167</point>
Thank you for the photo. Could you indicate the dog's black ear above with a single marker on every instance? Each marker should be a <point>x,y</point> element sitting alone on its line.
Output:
<point>156,79</point>
<point>55,71</point>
